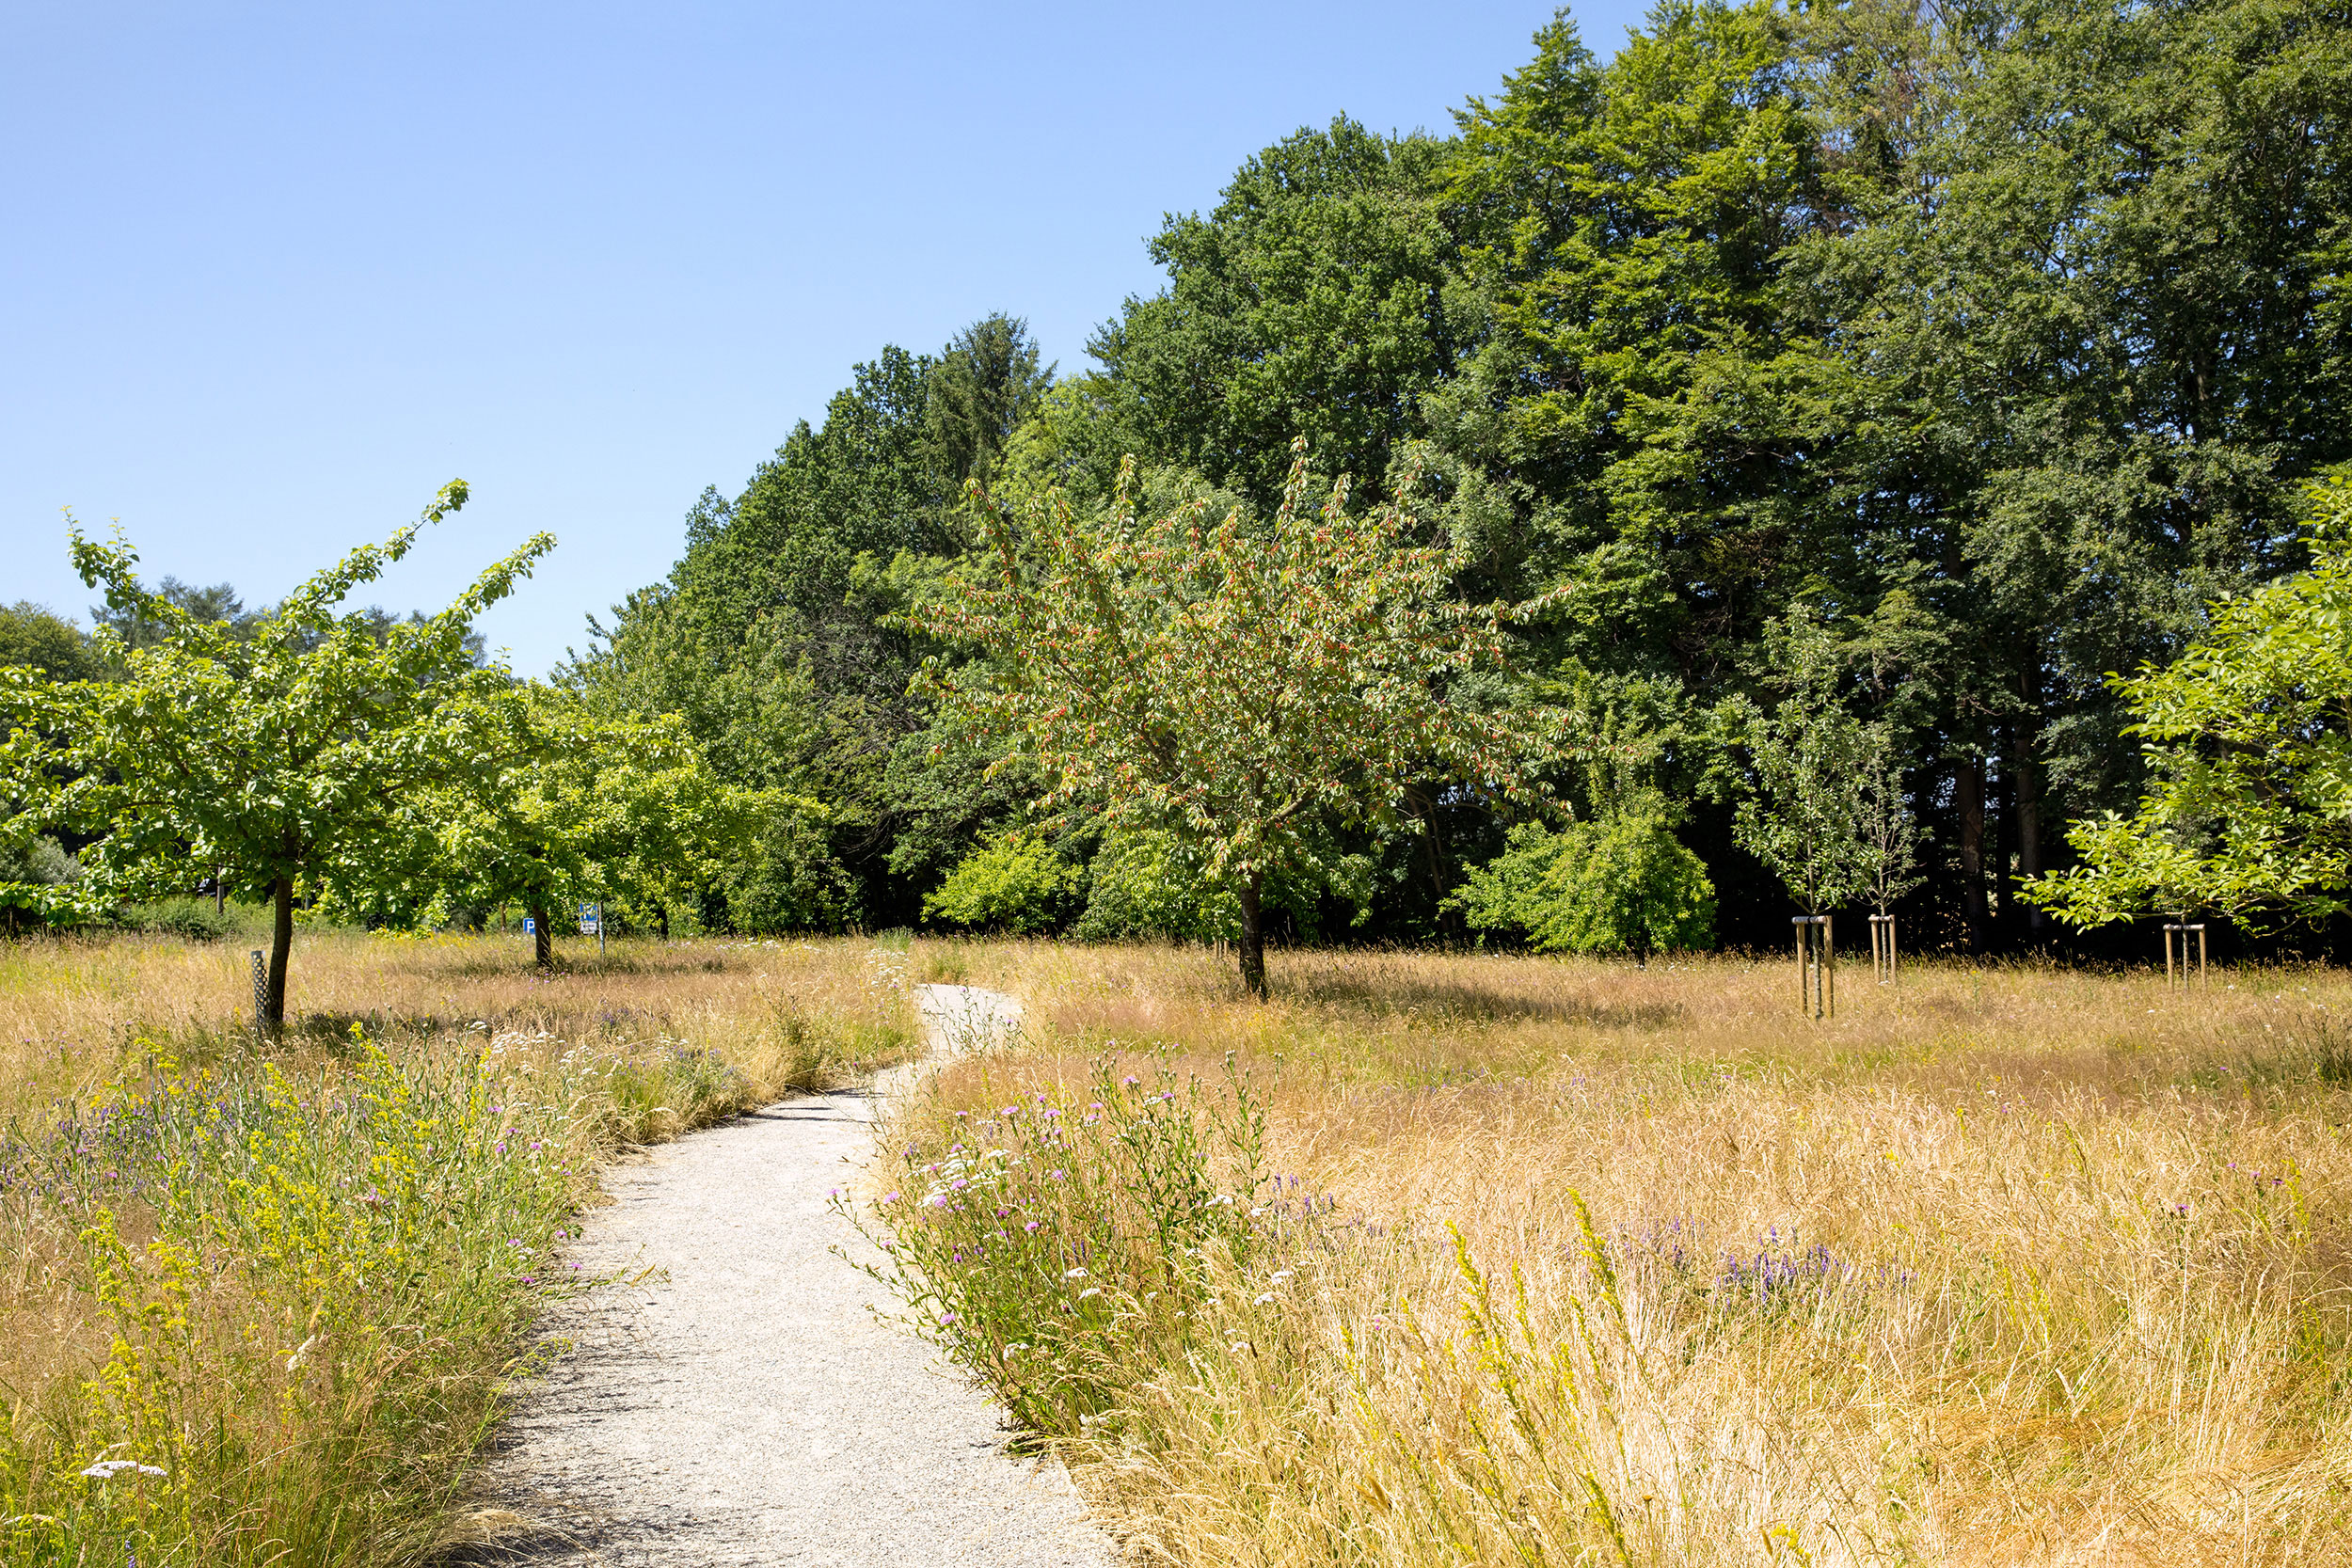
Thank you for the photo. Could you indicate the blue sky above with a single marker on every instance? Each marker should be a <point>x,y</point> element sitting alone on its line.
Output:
<point>273,273</point>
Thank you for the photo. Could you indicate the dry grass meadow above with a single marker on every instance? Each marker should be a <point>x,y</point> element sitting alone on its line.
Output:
<point>1566,1261</point>
<point>2003,1265</point>
<point>258,1305</point>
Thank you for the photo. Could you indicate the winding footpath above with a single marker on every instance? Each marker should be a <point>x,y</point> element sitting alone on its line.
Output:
<point>741,1404</point>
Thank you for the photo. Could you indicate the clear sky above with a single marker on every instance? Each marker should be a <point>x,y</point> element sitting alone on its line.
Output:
<point>273,273</point>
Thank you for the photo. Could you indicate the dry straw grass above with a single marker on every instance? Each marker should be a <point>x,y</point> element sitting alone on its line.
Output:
<point>288,1283</point>
<point>2006,1266</point>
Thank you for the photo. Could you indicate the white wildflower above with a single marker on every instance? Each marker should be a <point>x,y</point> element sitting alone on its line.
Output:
<point>107,1469</point>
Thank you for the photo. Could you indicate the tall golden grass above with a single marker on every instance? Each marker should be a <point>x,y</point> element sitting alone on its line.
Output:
<point>258,1305</point>
<point>2006,1264</point>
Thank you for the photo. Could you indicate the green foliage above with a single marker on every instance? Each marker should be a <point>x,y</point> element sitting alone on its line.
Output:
<point>1243,685</point>
<point>591,810</point>
<point>1017,882</point>
<point>2005,338</point>
<point>1150,884</point>
<point>194,918</point>
<point>1812,761</point>
<point>295,750</point>
<point>1886,833</point>
<point>33,861</point>
<point>1626,427</point>
<point>2249,740</point>
<point>1315,300</point>
<point>778,638</point>
<point>1623,885</point>
<point>33,639</point>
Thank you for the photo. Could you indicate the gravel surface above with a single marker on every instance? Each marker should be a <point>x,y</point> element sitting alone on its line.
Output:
<point>741,1404</point>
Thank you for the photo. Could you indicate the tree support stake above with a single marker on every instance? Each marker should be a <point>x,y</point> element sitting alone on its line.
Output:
<point>1883,948</point>
<point>2176,975</point>
<point>1817,965</point>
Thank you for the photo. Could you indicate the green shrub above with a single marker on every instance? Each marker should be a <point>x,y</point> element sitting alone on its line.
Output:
<point>1015,882</point>
<point>790,882</point>
<point>36,865</point>
<point>193,918</point>
<point>1149,884</point>
<point>1623,885</point>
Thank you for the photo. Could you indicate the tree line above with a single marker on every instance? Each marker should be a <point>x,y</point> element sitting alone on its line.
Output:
<point>1804,459</point>
<point>1982,346</point>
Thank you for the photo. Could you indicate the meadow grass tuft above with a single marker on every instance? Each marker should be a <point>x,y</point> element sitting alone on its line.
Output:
<point>260,1305</point>
<point>2009,1264</point>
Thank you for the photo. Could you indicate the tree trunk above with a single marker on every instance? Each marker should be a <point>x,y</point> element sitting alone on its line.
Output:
<point>1969,795</point>
<point>2024,742</point>
<point>280,949</point>
<point>543,938</point>
<point>1433,856</point>
<point>1252,938</point>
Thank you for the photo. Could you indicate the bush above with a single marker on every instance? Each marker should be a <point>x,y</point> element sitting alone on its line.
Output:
<point>791,882</point>
<point>194,918</point>
<point>1625,885</point>
<point>1149,884</point>
<point>35,866</point>
<point>1016,882</point>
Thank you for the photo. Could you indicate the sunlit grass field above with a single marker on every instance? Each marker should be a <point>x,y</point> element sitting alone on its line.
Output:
<point>1567,1262</point>
<point>1433,1259</point>
<point>259,1305</point>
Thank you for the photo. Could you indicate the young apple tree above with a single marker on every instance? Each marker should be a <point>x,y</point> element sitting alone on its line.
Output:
<point>275,754</point>
<point>1244,684</point>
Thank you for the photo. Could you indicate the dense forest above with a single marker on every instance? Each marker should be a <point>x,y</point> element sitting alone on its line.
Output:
<point>1995,340</point>
<point>1929,367</point>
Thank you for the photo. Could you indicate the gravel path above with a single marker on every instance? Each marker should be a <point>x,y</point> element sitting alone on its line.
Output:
<point>742,1405</point>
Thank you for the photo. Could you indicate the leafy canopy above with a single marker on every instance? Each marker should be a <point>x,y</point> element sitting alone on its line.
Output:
<point>1241,684</point>
<point>297,748</point>
<point>2247,736</point>
<point>1812,761</point>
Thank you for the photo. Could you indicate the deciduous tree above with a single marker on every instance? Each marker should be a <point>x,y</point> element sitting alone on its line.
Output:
<point>2248,742</point>
<point>290,751</point>
<point>1242,683</point>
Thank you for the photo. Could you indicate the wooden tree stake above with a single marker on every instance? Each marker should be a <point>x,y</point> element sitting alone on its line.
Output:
<point>1883,948</point>
<point>1817,965</point>
<point>2177,976</point>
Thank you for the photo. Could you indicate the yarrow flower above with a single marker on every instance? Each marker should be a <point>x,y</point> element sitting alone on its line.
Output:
<point>107,1469</point>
